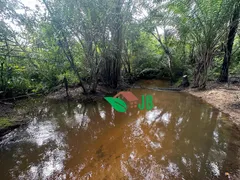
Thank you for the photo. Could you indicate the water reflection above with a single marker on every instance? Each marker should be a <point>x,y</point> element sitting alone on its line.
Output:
<point>37,151</point>
<point>186,139</point>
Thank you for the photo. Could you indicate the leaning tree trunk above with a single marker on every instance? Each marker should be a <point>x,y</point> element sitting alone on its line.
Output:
<point>63,44</point>
<point>228,50</point>
<point>167,52</point>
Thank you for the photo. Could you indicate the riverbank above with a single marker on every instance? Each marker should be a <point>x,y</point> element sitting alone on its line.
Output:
<point>10,119</point>
<point>222,96</point>
<point>76,94</point>
<point>225,98</point>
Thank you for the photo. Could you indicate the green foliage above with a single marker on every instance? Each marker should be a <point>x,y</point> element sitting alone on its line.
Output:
<point>146,54</point>
<point>235,65</point>
<point>72,79</point>
<point>4,122</point>
<point>96,39</point>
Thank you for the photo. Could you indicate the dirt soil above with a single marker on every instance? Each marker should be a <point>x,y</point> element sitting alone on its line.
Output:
<point>225,97</point>
<point>76,94</point>
<point>5,109</point>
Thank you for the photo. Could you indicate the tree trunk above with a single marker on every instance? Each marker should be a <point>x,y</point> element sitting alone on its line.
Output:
<point>167,52</point>
<point>118,42</point>
<point>2,80</point>
<point>228,50</point>
<point>203,62</point>
<point>113,58</point>
<point>65,47</point>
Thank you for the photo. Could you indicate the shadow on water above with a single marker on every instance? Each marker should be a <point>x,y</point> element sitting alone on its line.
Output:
<point>181,138</point>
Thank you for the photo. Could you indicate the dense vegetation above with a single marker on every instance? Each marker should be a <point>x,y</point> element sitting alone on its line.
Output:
<point>112,41</point>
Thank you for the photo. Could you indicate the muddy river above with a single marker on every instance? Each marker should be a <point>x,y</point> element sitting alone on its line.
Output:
<point>180,138</point>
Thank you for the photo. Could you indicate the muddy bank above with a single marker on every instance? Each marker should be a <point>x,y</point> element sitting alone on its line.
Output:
<point>76,94</point>
<point>6,109</point>
<point>222,96</point>
<point>10,119</point>
<point>7,125</point>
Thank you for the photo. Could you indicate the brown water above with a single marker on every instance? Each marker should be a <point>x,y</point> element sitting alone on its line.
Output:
<point>181,138</point>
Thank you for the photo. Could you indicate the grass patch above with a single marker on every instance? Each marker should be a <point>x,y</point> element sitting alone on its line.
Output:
<point>4,122</point>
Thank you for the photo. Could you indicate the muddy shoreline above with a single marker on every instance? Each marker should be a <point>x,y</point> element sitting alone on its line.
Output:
<point>10,119</point>
<point>225,97</point>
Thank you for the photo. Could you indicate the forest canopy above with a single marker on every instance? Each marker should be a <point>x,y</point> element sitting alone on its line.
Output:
<point>114,41</point>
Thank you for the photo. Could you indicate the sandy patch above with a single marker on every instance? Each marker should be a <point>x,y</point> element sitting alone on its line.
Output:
<point>222,96</point>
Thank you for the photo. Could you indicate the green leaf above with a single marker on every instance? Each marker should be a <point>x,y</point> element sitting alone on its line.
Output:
<point>118,104</point>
